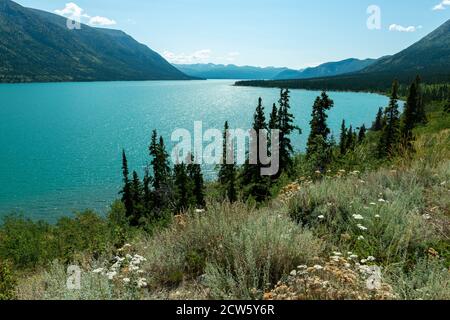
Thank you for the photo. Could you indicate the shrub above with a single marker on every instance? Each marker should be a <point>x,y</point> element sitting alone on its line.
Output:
<point>241,250</point>
<point>7,282</point>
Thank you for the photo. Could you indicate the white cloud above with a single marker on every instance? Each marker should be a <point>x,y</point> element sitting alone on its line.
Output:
<point>442,5</point>
<point>101,21</point>
<point>200,56</point>
<point>74,12</point>
<point>399,28</point>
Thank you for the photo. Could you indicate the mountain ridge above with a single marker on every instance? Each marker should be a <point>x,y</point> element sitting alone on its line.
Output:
<point>37,46</point>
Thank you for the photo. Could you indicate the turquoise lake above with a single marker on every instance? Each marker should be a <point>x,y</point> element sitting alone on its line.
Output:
<point>61,143</point>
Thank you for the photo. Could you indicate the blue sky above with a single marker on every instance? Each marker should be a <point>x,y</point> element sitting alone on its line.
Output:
<point>291,33</point>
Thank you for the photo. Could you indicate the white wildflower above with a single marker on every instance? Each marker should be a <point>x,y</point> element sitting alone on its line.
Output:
<point>199,210</point>
<point>371,258</point>
<point>373,204</point>
<point>99,270</point>
<point>126,280</point>
<point>358,217</point>
<point>381,200</point>
<point>321,217</point>
<point>111,275</point>
<point>318,267</point>
<point>337,253</point>
<point>377,216</point>
<point>353,256</point>
<point>294,273</point>
<point>361,227</point>
<point>361,238</point>
<point>302,267</point>
<point>142,282</point>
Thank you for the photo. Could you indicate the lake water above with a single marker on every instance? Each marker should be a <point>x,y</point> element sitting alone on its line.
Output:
<point>60,144</point>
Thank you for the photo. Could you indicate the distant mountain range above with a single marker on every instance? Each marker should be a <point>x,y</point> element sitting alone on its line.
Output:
<point>230,71</point>
<point>429,58</point>
<point>327,69</point>
<point>37,46</point>
<point>220,71</point>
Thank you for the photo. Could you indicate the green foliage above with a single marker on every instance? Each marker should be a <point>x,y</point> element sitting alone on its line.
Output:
<point>7,282</point>
<point>318,147</point>
<point>390,134</point>
<point>28,244</point>
<point>251,248</point>
<point>228,170</point>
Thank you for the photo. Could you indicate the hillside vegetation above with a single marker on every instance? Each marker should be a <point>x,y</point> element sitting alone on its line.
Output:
<point>365,227</point>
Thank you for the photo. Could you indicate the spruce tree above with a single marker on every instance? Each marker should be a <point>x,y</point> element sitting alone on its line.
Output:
<point>319,125</point>
<point>228,170</point>
<point>161,171</point>
<point>255,183</point>
<point>390,133</point>
<point>421,117</point>
<point>343,139</point>
<point>274,122</point>
<point>286,127</point>
<point>362,133</point>
<point>350,140</point>
<point>127,197</point>
<point>138,208</point>
<point>196,176</point>
<point>378,124</point>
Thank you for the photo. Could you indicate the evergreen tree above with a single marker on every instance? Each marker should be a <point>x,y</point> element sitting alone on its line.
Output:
<point>286,127</point>
<point>318,147</point>
<point>256,184</point>
<point>274,122</point>
<point>343,139</point>
<point>350,140</point>
<point>161,171</point>
<point>362,133</point>
<point>378,124</point>
<point>196,176</point>
<point>421,116</point>
<point>138,208</point>
<point>389,138</point>
<point>183,187</point>
<point>228,170</point>
<point>147,192</point>
<point>127,197</point>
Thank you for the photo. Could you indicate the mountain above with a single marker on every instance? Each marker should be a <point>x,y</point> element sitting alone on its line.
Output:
<point>220,71</point>
<point>429,58</point>
<point>37,46</point>
<point>327,69</point>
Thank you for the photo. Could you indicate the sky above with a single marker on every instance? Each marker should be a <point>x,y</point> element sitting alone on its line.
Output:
<point>282,33</point>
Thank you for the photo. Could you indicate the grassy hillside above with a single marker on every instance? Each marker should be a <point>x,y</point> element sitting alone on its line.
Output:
<point>321,237</point>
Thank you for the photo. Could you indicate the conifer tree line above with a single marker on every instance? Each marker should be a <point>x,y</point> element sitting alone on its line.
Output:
<point>166,190</point>
<point>182,187</point>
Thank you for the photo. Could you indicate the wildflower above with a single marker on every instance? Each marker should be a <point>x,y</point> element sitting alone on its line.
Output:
<point>371,258</point>
<point>358,217</point>
<point>126,280</point>
<point>199,210</point>
<point>377,216</point>
<point>321,217</point>
<point>111,275</point>
<point>381,200</point>
<point>337,253</point>
<point>360,238</point>
<point>294,273</point>
<point>302,267</point>
<point>373,204</point>
<point>361,227</point>
<point>142,283</point>
<point>347,265</point>
<point>426,217</point>
<point>349,253</point>
<point>318,267</point>
<point>364,261</point>
<point>353,256</point>
<point>99,270</point>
